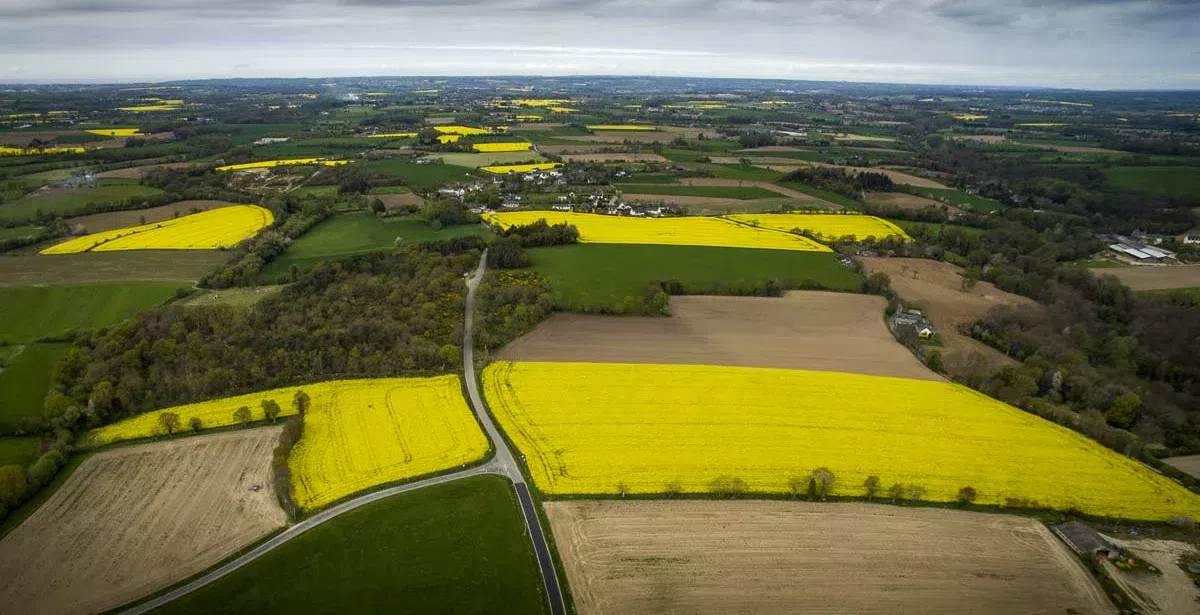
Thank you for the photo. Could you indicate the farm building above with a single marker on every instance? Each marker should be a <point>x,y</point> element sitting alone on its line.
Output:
<point>1135,251</point>
<point>923,327</point>
<point>1083,539</point>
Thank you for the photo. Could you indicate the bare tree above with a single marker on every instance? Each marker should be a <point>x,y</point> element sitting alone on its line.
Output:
<point>821,482</point>
<point>242,415</point>
<point>872,486</point>
<point>195,424</point>
<point>915,492</point>
<point>169,422</point>
<point>896,492</point>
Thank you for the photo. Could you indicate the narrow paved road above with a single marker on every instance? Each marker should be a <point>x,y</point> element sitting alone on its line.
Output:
<point>501,464</point>
<point>504,457</point>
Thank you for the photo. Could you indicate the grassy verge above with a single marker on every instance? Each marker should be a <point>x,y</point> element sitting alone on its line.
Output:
<point>453,548</point>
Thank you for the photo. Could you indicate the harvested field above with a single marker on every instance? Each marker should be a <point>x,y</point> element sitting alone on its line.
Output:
<point>1187,463</point>
<point>1154,278</point>
<point>139,172</point>
<point>132,266</point>
<point>907,202</point>
<point>937,287</point>
<point>614,157</point>
<point>813,330</point>
<point>791,557</point>
<point>113,220</point>
<point>620,136</point>
<point>134,520</point>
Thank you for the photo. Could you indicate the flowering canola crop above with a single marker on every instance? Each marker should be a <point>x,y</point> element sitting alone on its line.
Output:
<point>516,146</point>
<point>461,131</point>
<point>115,132</point>
<point>687,231</point>
<point>392,135</point>
<point>635,127</point>
<point>826,226</point>
<point>34,151</point>
<point>267,164</point>
<point>597,428</point>
<point>369,432</point>
<point>521,168</point>
<point>207,230</point>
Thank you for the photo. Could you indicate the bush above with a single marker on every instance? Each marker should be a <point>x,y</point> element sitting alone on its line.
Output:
<point>505,253</point>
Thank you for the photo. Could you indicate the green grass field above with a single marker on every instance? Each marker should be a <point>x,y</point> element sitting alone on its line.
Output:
<point>598,277</point>
<point>418,176</point>
<point>454,548</point>
<point>1181,182</point>
<point>24,382</point>
<point>484,159</point>
<point>720,192</point>
<point>21,451</point>
<point>18,232</point>
<point>69,202</point>
<point>356,233</point>
<point>183,266</point>
<point>31,313</point>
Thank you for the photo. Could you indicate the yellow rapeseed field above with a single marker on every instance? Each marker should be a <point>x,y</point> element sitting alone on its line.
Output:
<point>825,226</point>
<point>370,432</point>
<point>448,138</point>
<point>34,151</point>
<point>267,164</point>
<point>516,146</point>
<point>634,127</point>
<point>538,102</point>
<point>969,117</point>
<point>597,428</point>
<point>520,168</point>
<point>688,231</point>
<point>528,118</point>
<point>207,230</point>
<point>462,131</point>
<point>115,132</point>
<point>564,110</point>
<point>149,108</point>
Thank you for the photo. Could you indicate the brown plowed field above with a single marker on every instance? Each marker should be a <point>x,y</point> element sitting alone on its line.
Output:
<point>138,172</point>
<point>937,287</point>
<point>614,157</point>
<point>814,330</point>
<point>1154,278</point>
<point>134,520</point>
<point>763,557</point>
<point>108,221</point>
<point>909,202</point>
<point>1187,463</point>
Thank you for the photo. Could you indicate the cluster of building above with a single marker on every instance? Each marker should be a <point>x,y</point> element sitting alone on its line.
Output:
<point>1141,249</point>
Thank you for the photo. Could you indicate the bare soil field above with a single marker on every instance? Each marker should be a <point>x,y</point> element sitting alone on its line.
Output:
<point>1187,463</point>
<point>937,287</point>
<point>765,557</point>
<point>614,157</point>
<point>1171,593</point>
<point>108,221</point>
<point>139,172</point>
<point>621,136</point>
<point>813,330</point>
<point>134,520</point>
<point>908,202</point>
<point>131,266</point>
<point>1154,277</point>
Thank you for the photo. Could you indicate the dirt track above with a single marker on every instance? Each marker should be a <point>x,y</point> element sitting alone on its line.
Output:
<point>804,330</point>
<point>937,287</point>
<point>793,557</point>
<point>134,520</point>
<point>108,221</point>
<point>1154,278</point>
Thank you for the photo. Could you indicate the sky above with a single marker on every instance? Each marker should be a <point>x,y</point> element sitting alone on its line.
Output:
<point>1090,44</point>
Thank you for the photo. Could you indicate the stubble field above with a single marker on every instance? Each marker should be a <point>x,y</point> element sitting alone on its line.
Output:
<point>134,520</point>
<point>789,557</point>
<point>1154,278</point>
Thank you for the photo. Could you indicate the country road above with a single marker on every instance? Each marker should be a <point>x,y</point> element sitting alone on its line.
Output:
<point>502,464</point>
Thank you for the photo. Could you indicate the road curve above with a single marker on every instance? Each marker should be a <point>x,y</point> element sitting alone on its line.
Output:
<point>504,457</point>
<point>501,464</point>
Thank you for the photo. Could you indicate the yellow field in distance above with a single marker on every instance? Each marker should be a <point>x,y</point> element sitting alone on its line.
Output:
<point>365,433</point>
<point>528,118</point>
<point>392,135</point>
<point>520,146</point>
<point>267,164</point>
<point>501,169</point>
<point>969,117</point>
<point>538,102</point>
<point>448,138</point>
<point>207,230</point>
<point>462,131</point>
<point>632,127</point>
<point>564,110</point>
<point>825,226</point>
<point>598,428</point>
<point>116,132</point>
<point>688,231</point>
<point>35,151</point>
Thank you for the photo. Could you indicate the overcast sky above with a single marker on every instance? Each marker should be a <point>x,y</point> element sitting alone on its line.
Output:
<point>1120,44</point>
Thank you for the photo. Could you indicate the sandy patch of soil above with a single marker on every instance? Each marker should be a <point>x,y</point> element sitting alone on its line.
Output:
<point>699,557</point>
<point>1154,277</point>
<point>813,330</point>
<point>134,520</point>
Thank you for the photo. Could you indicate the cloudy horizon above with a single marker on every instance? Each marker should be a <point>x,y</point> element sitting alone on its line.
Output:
<point>1087,44</point>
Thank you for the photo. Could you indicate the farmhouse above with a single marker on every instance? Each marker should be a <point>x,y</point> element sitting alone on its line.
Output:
<point>917,321</point>
<point>1132,250</point>
<point>270,140</point>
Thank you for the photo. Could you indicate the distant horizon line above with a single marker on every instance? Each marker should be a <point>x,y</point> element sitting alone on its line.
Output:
<point>100,83</point>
